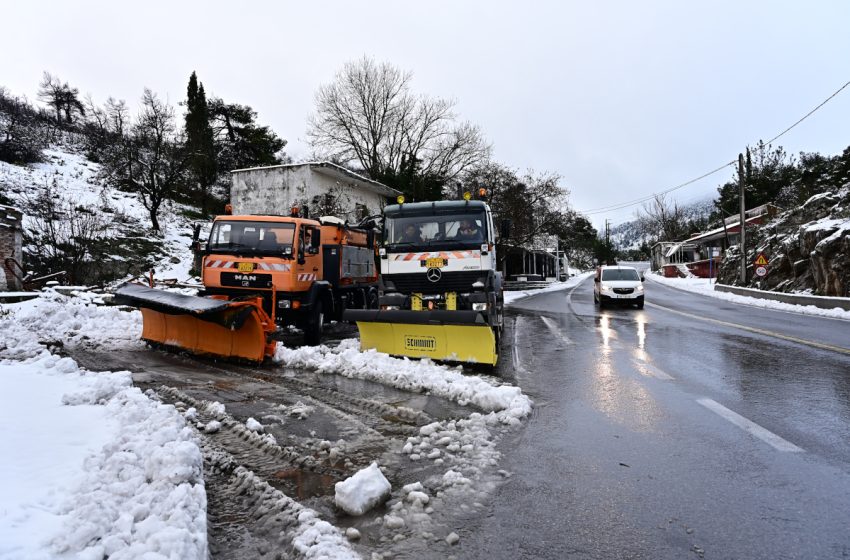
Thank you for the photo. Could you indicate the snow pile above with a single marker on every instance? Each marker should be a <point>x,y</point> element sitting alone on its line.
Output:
<point>506,401</point>
<point>572,282</point>
<point>362,491</point>
<point>101,470</point>
<point>705,286</point>
<point>74,320</point>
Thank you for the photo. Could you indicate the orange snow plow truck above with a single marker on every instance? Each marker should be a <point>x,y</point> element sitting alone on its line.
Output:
<point>260,274</point>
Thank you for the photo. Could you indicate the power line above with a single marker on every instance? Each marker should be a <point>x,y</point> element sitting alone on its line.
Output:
<point>647,198</point>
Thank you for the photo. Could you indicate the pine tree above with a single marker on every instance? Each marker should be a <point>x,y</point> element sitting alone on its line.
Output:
<point>199,142</point>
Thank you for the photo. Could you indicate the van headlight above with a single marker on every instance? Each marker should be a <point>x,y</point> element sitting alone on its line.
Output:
<point>605,288</point>
<point>639,289</point>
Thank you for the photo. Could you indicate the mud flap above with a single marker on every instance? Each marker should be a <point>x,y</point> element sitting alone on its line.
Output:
<point>228,329</point>
<point>455,336</point>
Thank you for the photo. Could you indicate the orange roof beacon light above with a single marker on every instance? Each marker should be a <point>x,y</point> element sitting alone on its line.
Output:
<point>228,209</point>
<point>482,192</point>
<point>400,199</point>
<point>294,212</point>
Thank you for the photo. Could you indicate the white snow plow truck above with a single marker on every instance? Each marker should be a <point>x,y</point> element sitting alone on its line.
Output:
<point>440,295</point>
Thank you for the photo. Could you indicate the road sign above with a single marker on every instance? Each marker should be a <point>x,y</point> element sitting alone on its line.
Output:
<point>761,271</point>
<point>761,260</point>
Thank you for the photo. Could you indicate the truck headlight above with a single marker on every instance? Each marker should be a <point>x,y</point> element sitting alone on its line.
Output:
<point>390,307</point>
<point>479,306</point>
<point>284,304</point>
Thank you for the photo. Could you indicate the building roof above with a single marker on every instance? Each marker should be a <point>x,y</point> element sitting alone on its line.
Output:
<point>331,169</point>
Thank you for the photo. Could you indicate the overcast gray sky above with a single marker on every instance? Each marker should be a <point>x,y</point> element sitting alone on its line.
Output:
<point>622,99</point>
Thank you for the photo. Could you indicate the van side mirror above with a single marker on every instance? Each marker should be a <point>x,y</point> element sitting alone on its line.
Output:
<point>596,279</point>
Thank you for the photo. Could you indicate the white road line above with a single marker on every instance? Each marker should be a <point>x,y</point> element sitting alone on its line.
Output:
<point>555,330</point>
<point>515,349</point>
<point>652,371</point>
<point>749,426</point>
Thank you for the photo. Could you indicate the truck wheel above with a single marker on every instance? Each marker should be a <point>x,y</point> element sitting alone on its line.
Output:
<point>372,299</point>
<point>313,330</point>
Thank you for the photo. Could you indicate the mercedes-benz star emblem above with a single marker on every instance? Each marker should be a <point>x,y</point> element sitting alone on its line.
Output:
<point>434,274</point>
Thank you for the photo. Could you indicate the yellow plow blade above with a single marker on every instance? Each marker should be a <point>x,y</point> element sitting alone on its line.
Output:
<point>445,338</point>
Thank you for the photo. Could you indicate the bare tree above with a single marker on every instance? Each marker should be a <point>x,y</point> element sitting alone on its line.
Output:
<point>149,160</point>
<point>369,116</point>
<point>61,97</point>
<point>663,220</point>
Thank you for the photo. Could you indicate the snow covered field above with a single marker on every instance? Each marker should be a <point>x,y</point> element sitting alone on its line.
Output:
<point>705,286</point>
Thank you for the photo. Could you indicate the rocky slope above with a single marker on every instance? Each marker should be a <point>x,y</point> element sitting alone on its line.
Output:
<point>808,248</point>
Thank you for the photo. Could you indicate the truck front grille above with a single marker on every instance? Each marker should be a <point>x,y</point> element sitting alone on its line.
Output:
<point>460,281</point>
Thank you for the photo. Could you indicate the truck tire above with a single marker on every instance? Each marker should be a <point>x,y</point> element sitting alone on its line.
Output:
<point>315,324</point>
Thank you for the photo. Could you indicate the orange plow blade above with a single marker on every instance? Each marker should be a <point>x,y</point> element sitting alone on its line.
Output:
<point>203,326</point>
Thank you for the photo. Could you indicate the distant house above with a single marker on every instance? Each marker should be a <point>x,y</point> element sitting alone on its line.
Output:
<point>701,253</point>
<point>11,250</point>
<point>317,188</point>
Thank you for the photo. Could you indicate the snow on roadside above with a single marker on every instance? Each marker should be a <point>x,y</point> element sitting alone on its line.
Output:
<point>70,320</point>
<point>705,286</point>
<point>99,468</point>
<point>514,295</point>
<point>507,403</point>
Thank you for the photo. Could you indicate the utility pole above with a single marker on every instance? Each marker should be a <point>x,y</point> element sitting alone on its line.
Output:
<point>743,224</point>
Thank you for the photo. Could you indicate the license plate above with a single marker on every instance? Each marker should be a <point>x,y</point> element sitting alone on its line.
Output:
<point>436,263</point>
<point>245,267</point>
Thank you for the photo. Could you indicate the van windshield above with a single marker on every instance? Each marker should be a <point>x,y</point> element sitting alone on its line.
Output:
<point>613,274</point>
<point>251,238</point>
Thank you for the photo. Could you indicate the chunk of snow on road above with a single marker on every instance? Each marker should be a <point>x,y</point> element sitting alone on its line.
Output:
<point>212,427</point>
<point>215,408</point>
<point>254,426</point>
<point>362,491</point>
<point>452,538</point>
<point>298,410</point>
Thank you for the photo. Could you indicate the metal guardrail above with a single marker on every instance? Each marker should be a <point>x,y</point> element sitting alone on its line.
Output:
<point>823,302</point>
<point>513,285</point>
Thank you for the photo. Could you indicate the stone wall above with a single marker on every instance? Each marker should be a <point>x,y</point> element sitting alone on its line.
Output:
<point>11,239</point>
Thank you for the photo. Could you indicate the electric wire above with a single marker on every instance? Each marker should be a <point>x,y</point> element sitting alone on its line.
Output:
<point>620,206</point>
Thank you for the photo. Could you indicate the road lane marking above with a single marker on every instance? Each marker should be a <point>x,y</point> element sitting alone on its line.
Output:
<point>764,332</point>
<point>749,426</point>
<point>555,330</point>
<point>515,349</point>
<point>652,371</point>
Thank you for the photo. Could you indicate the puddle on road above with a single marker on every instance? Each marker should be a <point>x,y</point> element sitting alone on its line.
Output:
<point>302,484</point>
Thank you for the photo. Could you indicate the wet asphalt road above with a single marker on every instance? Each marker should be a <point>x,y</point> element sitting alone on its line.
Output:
<point>671,433</point>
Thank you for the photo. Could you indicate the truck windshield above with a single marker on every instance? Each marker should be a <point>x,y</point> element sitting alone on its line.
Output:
<point>251,238</point>
<point>462,229</point>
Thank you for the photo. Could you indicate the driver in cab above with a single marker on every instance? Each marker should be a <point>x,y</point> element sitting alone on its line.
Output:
<point>469,231</point>
<point>410,234</point>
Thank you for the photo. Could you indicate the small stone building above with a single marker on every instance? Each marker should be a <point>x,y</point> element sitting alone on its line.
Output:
<point>11,248</point>
<point>317,188</point>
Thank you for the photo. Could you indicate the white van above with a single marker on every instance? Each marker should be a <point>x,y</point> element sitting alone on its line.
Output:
<point>618,284</point>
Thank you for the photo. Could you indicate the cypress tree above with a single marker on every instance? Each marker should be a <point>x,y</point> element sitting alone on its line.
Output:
<point>199,142</point>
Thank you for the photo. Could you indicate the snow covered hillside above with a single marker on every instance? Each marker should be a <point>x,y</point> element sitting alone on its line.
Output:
<point>97,232</point>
